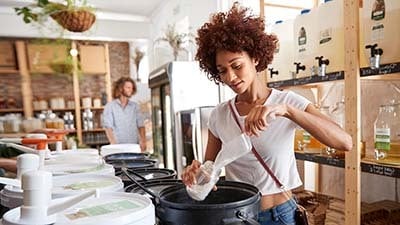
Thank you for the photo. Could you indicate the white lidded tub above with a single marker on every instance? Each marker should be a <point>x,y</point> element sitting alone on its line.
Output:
<point>109,208</point>
<point>73,157</point>
<point>64,186</point>
<point>119,148</point>
<point>88,168</point>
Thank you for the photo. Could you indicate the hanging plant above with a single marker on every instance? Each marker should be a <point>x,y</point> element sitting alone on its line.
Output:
<point>176,40</point>
<point>74,15</point>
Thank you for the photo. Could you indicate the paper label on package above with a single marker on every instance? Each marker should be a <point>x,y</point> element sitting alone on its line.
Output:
<point>89,185</point>
<point>103,209</point>
<point>382,139</point>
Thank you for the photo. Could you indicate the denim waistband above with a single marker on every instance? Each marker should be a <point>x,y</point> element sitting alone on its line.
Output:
<point>275,211</point>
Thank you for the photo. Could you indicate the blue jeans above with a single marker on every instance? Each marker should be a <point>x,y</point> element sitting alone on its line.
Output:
<point>283,214</point>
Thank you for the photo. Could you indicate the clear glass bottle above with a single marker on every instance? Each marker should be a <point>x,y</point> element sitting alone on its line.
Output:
<point>395,132</point>
<point>382,131</point>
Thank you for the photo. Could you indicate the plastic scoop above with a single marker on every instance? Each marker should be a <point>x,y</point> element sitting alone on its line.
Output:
<point>208,174</point>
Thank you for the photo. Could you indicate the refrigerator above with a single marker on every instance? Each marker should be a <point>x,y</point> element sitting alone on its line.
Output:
<point>192,135</point>
<point>175,87</point>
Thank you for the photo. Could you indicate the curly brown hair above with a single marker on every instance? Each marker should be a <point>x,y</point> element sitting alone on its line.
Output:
<point>234,31</point>
<point>119,85</point>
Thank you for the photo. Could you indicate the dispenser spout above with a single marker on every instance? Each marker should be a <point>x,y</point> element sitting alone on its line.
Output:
<point>375,55</point>
<point>272,72</point>
<point>298,67</point>
<point>322,64</point>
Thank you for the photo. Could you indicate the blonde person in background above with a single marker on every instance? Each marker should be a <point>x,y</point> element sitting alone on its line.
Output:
<point>122,119</point>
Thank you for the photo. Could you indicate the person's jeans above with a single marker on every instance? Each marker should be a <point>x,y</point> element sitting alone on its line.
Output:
<point>283,214</point>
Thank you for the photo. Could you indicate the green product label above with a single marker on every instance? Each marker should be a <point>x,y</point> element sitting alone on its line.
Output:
<point>306,137</point>
<point>93,169</point>
<point>382,139</point>
<point>89,185</point>
<point>103,209</point>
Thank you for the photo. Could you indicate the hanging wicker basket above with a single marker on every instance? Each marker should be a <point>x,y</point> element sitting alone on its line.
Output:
<point>74,21</point>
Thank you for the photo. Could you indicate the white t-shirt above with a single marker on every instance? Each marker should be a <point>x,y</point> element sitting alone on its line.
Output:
<point>275,145</point>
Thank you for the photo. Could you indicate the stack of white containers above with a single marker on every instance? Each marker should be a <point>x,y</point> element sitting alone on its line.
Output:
<point>72,204</point>
<point>315,33</point>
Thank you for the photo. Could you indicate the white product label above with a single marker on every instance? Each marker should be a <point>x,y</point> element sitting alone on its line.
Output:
<point>378,32</point>
<point>325,36</point>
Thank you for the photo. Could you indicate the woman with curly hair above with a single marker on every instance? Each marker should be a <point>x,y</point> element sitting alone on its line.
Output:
<point>232,49</point>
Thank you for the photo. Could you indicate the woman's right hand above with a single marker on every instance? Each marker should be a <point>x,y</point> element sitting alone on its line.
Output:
<point>189,173</point>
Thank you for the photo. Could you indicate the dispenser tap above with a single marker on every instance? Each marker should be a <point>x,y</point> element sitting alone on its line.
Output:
<point>298,67</point>
<point>322,65</point>
<point>375,58</point>
<point>272,72</point>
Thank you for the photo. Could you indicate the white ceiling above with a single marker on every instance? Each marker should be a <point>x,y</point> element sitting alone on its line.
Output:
<point>130,10</point>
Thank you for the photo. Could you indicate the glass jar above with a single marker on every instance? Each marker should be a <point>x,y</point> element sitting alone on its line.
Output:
<point>395,132</point>
<point>383,131</point>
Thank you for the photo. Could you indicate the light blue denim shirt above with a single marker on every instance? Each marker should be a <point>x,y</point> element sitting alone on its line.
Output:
<point>124,121</point>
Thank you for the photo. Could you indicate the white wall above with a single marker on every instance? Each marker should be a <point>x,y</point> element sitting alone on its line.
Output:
<point>103,29</point>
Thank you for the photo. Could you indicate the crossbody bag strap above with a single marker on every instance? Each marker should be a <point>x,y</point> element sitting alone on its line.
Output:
<point>259,158</point>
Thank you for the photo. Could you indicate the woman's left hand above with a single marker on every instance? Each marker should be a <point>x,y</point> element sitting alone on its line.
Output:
<point>259,118</point>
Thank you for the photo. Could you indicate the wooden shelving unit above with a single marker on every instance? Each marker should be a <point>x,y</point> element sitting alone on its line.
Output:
<point>367,165</point>
<point>26,88</point>
<point>16,110</point>
<point>353,165</point>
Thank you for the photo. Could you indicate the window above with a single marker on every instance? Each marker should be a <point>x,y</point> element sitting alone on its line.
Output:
<point>275,10</point>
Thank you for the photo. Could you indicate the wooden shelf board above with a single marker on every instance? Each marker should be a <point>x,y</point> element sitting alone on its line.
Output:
<point>94,108</point>
<point>8,71</point>
<point>367,165</point>
<point>93,130</point>
<point>307,80</point>
<point>55,110</point>
<point>11,110</point>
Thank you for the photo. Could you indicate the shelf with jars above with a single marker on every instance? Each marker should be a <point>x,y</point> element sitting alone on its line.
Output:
<point>91,58</point>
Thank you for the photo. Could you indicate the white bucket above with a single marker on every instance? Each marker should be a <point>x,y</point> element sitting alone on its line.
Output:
<point>63,186</point>
<point>119,148</point>
<point>109,208</point>
<point>11,196</point>
<point>86,168</point>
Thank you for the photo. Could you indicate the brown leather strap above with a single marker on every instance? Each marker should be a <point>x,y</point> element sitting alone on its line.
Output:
<point>259,158</point>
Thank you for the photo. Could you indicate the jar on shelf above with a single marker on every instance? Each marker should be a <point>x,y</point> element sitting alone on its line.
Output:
<point>97,102</point>
<point>32,124</point>
<point>86,102</point>
<point>395,133</point>
<point>383,131</point>
<point>69,121</point>
<point>12,123</point>
<point>52,121</point>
